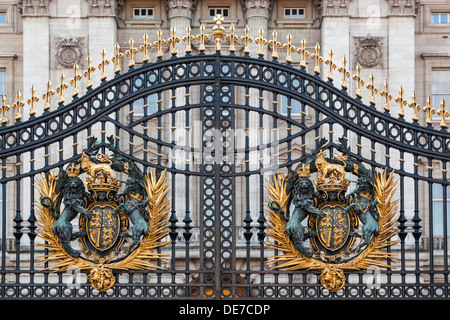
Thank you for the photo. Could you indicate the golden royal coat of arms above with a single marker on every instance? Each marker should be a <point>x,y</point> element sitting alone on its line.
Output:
<point>345,232</point>
<point>117,230</point>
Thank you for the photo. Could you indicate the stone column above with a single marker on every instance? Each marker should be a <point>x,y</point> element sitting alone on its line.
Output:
<point>179,13</point>
<point>102,33</point>
<point>335,35</point>
<point>401,72</point>
<point>36,44</point>
<point>257,15</point>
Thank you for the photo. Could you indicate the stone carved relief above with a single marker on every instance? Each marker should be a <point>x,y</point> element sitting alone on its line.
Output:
<point>254,8</point>
<point>368,51</point>
<point>69,51</point>
<point>182,8</point>
<point>33,7</point>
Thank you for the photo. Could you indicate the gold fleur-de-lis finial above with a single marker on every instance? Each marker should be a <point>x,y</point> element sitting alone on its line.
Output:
<point>17,105</point>
<point>32,101</point>
<point>358,80</point>
<point>401,102</point>
<point>74,80</point>
<point>372,88</point>
<point>88,72</point>
<point>386,95</point>
<point>303,53</point>
<point>246,39</point>
<point>444,114</point>
<point>317,59</point>
<point>61,88</point>
<point>47,95</point>
<point>274,44</point>
<point>202,37</point>
<point>261,42</point>
<point>218,31</point>
<point>188,38</point>
<point>159,44</point>
<point>331,65</point>
<point>429,110</point>
<point>145,47</point>
<point>5,108</point>
<point>102,65</point>
<point>415,107</point>
<point>345,73</point>
<point>289,48</point>
<point>173,40</point>
<point>130,53</point>
<point>117,56</point>
<point>232,38</point>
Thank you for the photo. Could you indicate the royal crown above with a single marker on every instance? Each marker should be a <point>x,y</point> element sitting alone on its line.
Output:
<point>73,170</point>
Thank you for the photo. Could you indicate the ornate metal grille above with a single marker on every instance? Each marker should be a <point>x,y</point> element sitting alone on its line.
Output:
<point>221,125</point>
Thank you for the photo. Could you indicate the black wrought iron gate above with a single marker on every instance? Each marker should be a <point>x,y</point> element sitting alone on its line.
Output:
<point>221,125</point>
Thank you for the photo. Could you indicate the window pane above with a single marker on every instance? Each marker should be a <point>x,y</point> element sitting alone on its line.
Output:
<point>287,13</point>
<point>301,13</point>
<point>136,13</point>
<point>149,13</point>
<point>143,12</point>
<point>2,82</point>
<point>434,18</point>
<point>225,13</point>
<point>2,18</point>
<point>294,12</point>
<point>444,18</point>
<point>212,12</point>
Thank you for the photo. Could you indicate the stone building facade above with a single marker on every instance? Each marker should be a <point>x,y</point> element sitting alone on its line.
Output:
<point>403,41</point>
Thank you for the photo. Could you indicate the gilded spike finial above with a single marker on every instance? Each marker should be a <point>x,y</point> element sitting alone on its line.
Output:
<point>246,39</point>
<point>131,52</point>
<point>303,53</point>
<point>317,59</point>
<point>358,80</point>
<point>275,44</point>
<point>88,72</point>
<point>173,40</point>
<point>102,65</point>
<point>145,47</point>
<point>345,73</point>
<point>159,44</point>
<point>63,86</point>
<point>429,110</point>
<point>413,105</point>
<point>17,105</point>
<point>74,80</point>
<point>261,42</point>
<point>331,65</point>
<point>444,114</point>
<point>188,38</point>
<point>5,108</point>
<point>401,102</point>
<point>47,95</point>
<point>32,101</point>
<point>386,96</point>
<point>289,48</point>
<point>372,88</point>
<point>117,56</point>
<point>218,31</point>
<point>202,37</point>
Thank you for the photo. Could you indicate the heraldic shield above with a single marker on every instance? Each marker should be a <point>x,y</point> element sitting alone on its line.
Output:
<point>343,231</point>
<point>117,230</point>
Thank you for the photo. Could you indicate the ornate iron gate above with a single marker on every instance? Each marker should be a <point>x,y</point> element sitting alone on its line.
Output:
<point>221,125</point>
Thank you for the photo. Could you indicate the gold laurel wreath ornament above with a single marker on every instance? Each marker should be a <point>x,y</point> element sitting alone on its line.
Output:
<point>332,274</point>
